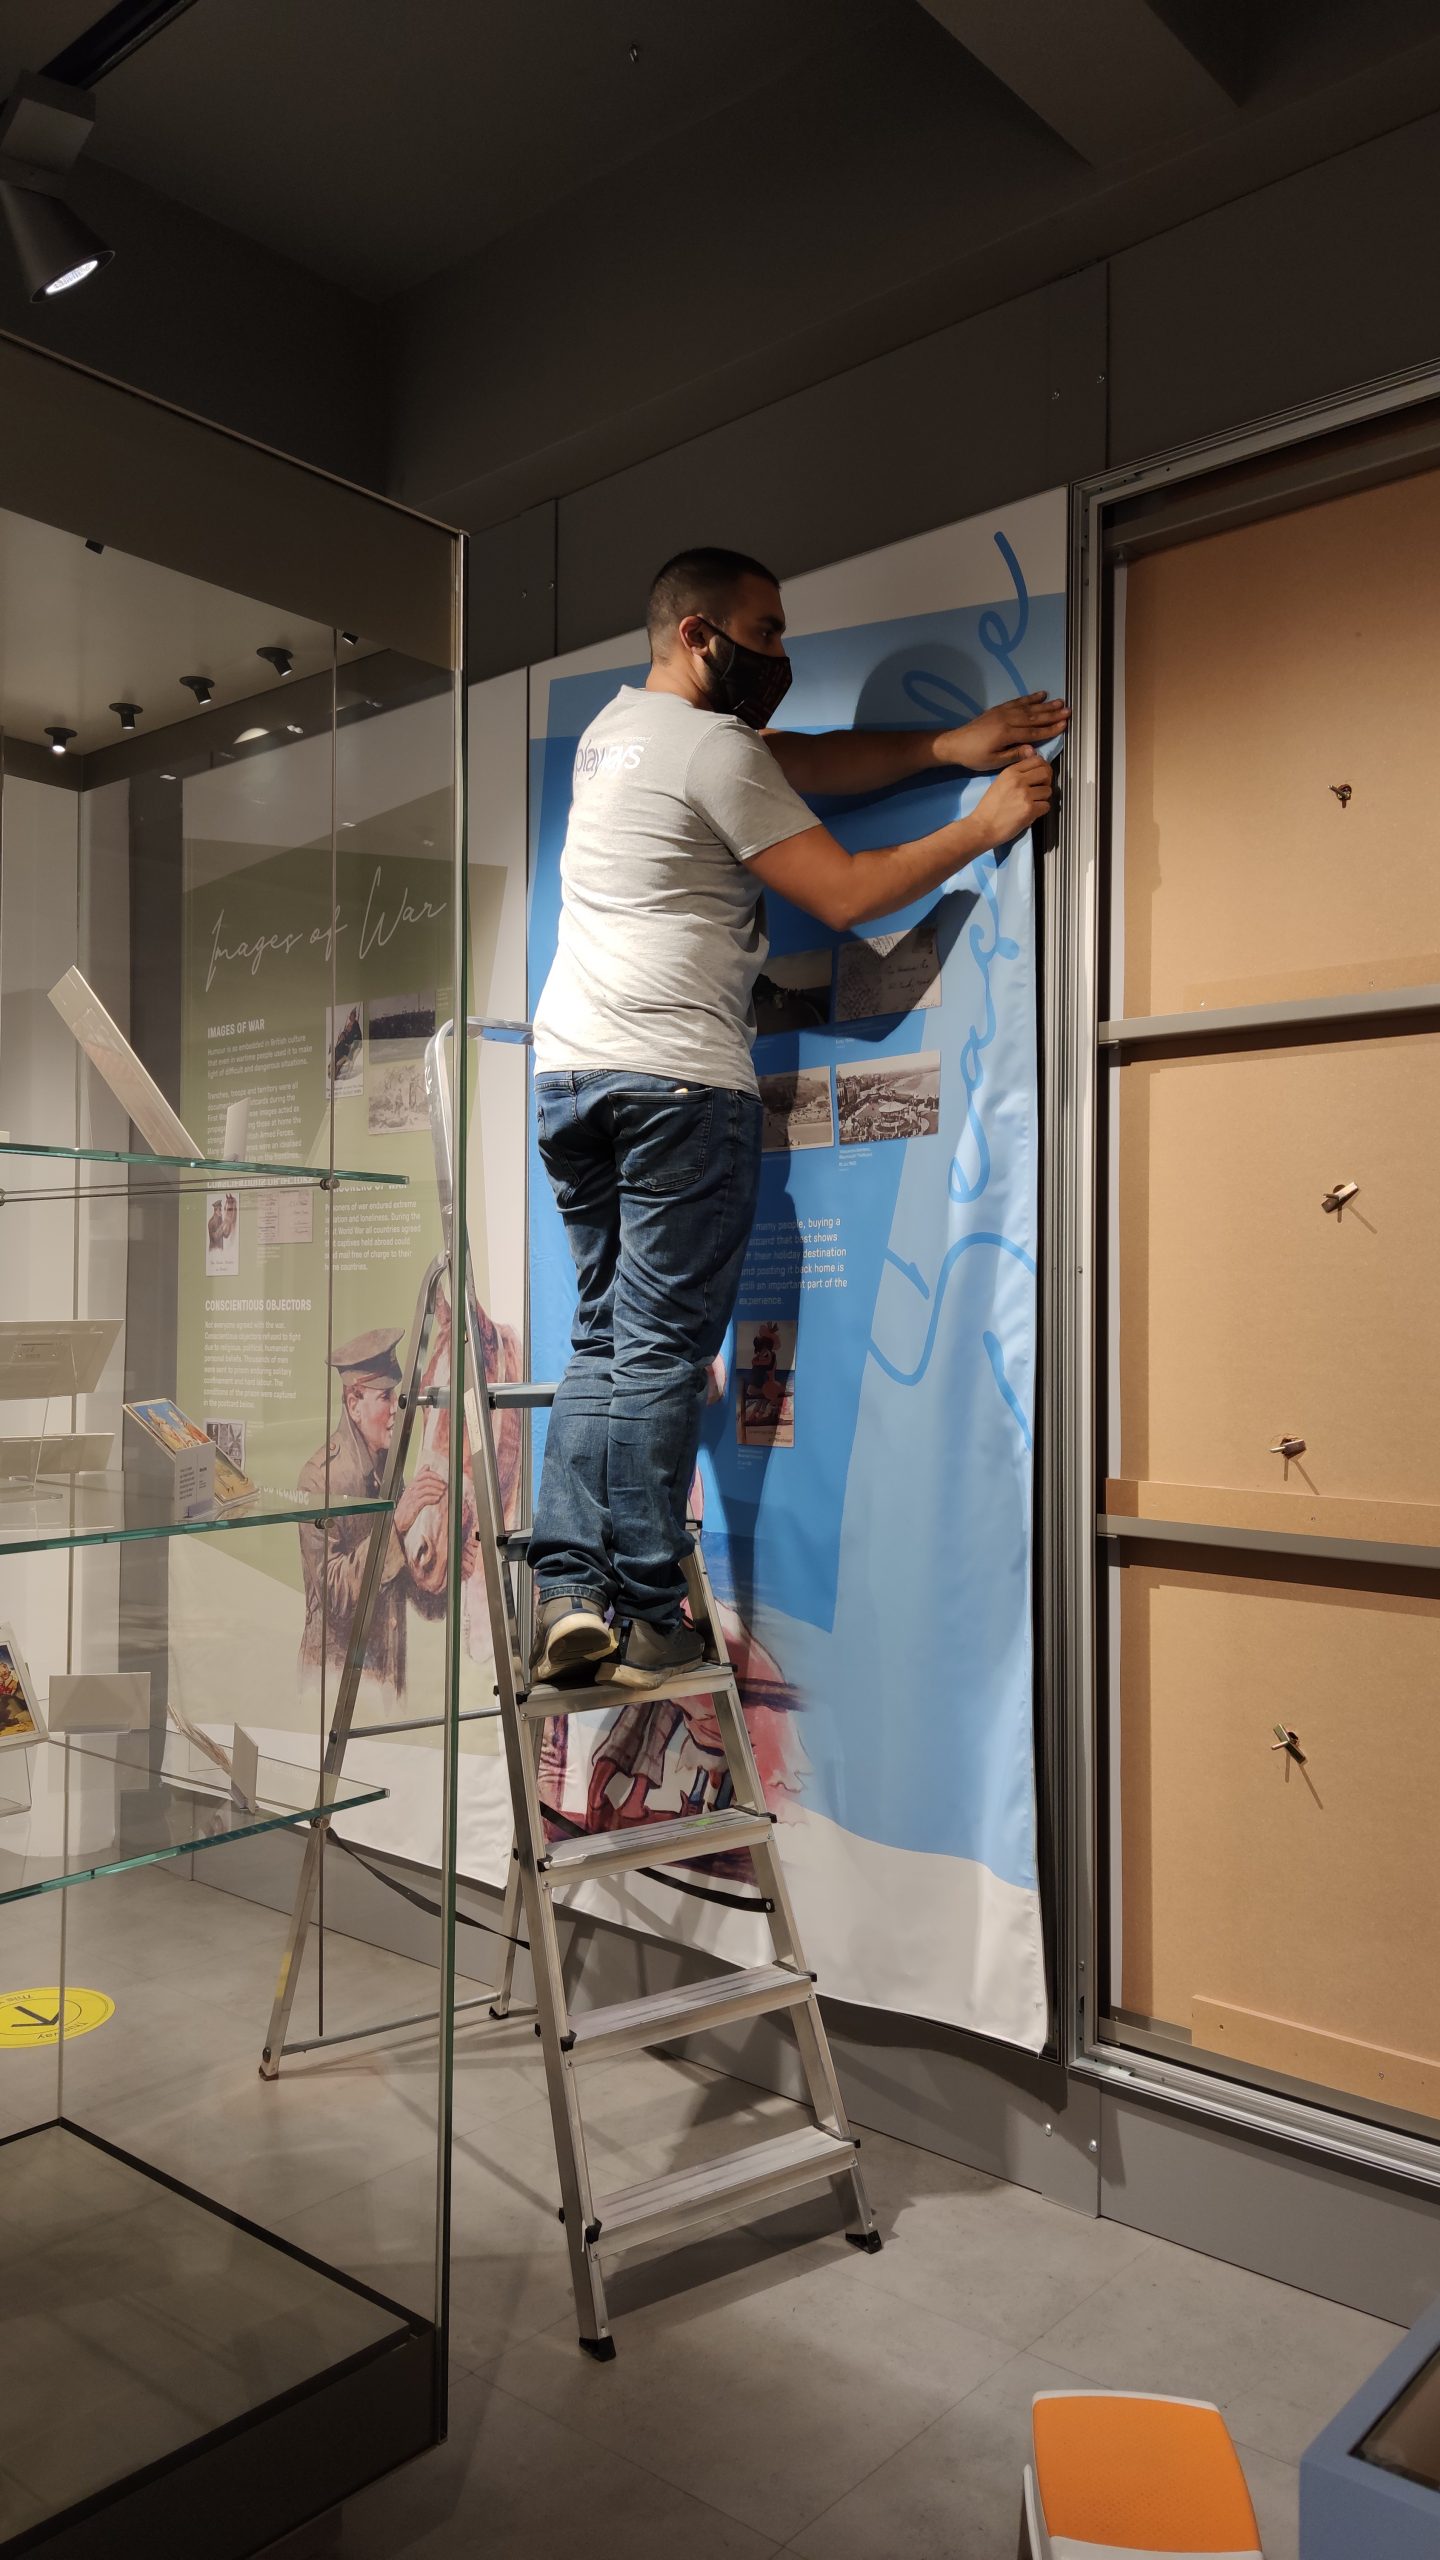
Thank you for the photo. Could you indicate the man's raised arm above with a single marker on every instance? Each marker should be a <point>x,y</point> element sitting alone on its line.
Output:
<point>843,889</point>
<point>842,762</point>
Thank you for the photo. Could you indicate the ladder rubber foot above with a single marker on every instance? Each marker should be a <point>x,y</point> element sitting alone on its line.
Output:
<point>602,2349</point>
<point>869,2241</point>
<point>502,2014</point>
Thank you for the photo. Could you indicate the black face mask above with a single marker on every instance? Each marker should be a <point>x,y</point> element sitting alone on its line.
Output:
<point>747,682</point>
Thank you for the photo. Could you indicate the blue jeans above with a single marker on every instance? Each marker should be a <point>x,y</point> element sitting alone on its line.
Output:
<point>657,1183</point>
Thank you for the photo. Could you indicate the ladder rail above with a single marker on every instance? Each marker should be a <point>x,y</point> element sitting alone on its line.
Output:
<point>522,1747</point>
<point>540,1871</point>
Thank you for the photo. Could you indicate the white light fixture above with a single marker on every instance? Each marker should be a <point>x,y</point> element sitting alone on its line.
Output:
<point>247,737</point>
<point>44,127</point>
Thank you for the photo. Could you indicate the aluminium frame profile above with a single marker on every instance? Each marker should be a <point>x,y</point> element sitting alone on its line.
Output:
<point>1076,1548</point>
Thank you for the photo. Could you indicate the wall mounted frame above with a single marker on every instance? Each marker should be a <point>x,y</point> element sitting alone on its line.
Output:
<point>1384,431</point>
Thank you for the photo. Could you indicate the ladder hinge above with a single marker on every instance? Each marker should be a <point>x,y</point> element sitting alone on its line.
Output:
<point>567,2041</point>
<point>592,2234</point>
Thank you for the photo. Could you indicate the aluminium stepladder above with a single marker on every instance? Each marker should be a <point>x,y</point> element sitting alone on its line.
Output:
<point>739,2184</point>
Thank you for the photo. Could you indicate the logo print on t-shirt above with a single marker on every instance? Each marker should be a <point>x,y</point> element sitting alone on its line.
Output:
<point>621,756</point>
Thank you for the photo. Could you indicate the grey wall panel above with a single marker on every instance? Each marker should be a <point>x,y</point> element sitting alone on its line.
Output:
<point>512,594</point>
<point>1000,405</point>
<point>1286,2213</point>
<point>1300,290</point>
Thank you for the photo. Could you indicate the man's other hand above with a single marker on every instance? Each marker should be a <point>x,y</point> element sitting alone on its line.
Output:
<point>1018,798</point>
<point>999,737</point>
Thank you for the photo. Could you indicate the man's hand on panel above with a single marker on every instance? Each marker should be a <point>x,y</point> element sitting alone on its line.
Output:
<point>999,736</point>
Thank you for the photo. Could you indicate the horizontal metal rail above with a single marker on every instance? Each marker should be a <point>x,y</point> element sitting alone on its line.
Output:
<point>424,1724</point>
<point>1230,1022</point>
<point>391,2026</point>
<point>1125,1527</point>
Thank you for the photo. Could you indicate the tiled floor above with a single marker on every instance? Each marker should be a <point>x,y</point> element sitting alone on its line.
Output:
<point>774,2389</point>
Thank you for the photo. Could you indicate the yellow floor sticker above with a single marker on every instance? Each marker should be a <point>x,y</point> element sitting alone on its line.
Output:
<point>35,2017</point>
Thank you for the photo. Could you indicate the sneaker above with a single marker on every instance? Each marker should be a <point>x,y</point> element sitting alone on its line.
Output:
<point>648,1654</point>
<point>571,1635</point>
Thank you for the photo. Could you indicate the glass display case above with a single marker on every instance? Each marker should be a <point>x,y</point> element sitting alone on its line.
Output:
<point>232,917</point>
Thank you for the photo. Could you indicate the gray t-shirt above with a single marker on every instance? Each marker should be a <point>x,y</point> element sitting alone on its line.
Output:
<point>662,929</point>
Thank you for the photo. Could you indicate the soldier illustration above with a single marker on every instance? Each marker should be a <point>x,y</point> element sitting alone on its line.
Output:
<point>350,1466</point>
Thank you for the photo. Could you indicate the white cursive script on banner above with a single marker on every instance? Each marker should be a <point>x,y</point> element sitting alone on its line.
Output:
<point>378,929</point>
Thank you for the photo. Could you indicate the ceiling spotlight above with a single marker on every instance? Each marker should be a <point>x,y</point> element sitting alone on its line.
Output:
<point>127,713</point>
<point>59,740</point>
<point>293,729</point>
<point>44,127</point>
<point>351,639</point>
<point>248,737</point>
<point>282,660</point>
<point>201,686</point>
<point>168,777</point>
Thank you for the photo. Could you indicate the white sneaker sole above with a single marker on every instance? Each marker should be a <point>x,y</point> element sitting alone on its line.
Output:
<point>620,1674</point>
<point>572,1644</point>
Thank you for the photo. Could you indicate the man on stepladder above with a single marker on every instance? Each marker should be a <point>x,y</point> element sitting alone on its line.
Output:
<point>686,808</point>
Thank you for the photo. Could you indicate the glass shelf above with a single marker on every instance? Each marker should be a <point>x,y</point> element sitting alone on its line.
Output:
<point>91,1511</point>
<point>223,1168</point>
<point>115,1800</point>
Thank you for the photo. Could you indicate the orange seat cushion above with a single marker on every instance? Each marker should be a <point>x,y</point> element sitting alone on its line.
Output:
<point>1152,2475</point>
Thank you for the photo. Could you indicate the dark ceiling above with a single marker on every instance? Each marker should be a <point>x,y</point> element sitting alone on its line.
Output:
<point>380,142</point>
<point>479,253</point>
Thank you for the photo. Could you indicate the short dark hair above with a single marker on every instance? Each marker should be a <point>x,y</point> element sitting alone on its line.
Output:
<point>702,581</point>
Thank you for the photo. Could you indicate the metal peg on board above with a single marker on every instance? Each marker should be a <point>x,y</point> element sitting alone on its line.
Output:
<point>1288,1741</point>
<point>1287,1449</point>
<point>1335,1199</point>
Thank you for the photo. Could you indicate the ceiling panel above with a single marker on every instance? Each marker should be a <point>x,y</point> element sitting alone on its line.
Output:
<point>378,143</point>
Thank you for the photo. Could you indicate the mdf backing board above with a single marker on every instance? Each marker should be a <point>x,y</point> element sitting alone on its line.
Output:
<point>1261,666</point>
<point>1246,1312</point>
<point>1309,1898</point>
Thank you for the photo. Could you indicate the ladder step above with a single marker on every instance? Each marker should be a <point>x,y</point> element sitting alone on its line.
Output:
<point>652,1844</point>
<point>526,1392</point>
<point>629,2026</point>
<point>809,2157</point>
<point>546,1700</point>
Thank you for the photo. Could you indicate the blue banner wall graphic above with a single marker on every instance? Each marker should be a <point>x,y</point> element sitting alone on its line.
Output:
<point>867,1465</point>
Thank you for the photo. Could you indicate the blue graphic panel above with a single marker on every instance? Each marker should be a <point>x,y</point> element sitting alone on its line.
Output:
<point>878,1544</point>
